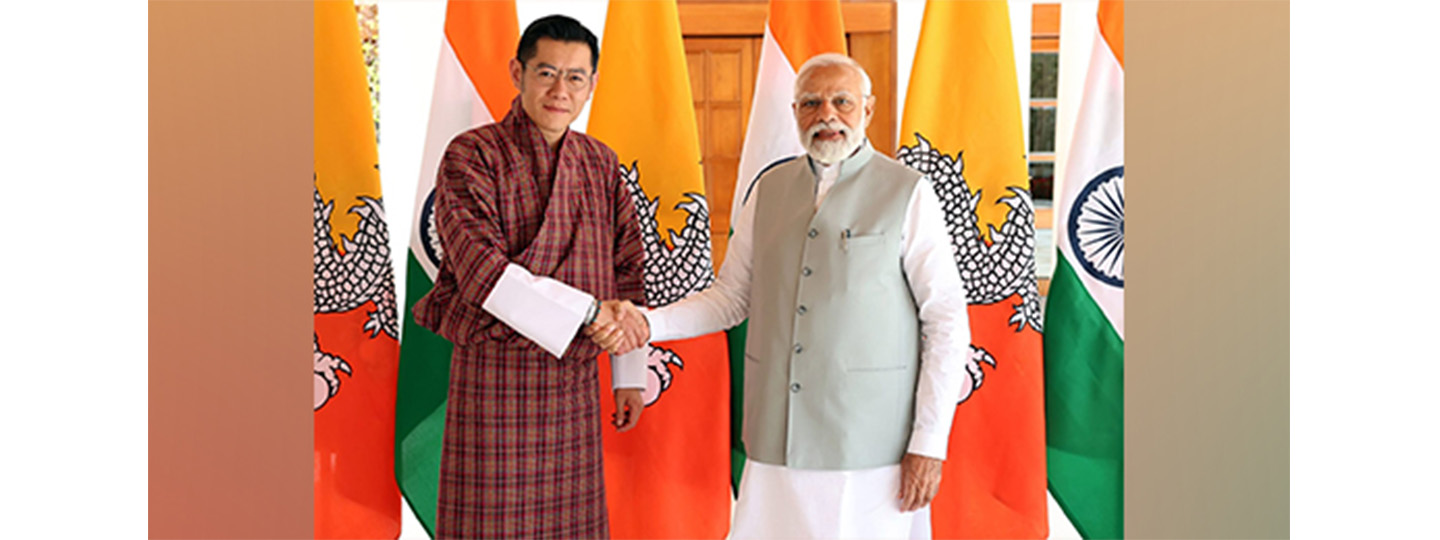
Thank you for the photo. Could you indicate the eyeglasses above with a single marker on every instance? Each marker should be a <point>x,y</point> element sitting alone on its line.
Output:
<point>574,80</point>
<point>811,104</point>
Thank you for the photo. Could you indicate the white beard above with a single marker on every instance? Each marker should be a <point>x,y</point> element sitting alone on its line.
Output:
<point>831,152</point>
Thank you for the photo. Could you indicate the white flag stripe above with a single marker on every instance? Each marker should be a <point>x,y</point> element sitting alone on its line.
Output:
<point>455,108</point>
<point>771,133</point>
<point>1097,146</point>
<point>1077,30</point>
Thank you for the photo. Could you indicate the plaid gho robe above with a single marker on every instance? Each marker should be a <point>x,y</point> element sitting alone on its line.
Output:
<point>522,450</point>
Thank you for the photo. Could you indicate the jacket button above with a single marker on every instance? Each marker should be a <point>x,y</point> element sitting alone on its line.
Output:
<point>805,271</point>
<point>795,388</point>
<point>801,310</point>
<point>798,348</point>
<point>813,233</point>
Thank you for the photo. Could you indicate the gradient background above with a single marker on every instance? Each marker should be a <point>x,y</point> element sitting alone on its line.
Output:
<point>1207,300</point>
<point>1207,452</point>
<point>231,256</point>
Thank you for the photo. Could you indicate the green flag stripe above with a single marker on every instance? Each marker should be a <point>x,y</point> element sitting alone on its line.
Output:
<point>418,460</point>
<point>736,338</point>
<point>1084,407</point>
<point>420,397</point>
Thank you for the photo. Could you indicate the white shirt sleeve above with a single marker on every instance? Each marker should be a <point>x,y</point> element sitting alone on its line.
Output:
<point>725,303</point>
<point>549,312</point>
<point>627,370</point>
<point>929,262</point>
<point>546,310</point>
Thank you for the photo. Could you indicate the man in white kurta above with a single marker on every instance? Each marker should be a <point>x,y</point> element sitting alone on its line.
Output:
<point>784,498</point>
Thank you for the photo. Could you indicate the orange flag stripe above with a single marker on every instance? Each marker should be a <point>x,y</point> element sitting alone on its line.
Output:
<point>804,29</point>
<point>1112,26</point>
<point>483,35</point>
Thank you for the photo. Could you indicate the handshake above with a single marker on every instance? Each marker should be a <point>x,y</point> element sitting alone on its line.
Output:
<point>619,327</point>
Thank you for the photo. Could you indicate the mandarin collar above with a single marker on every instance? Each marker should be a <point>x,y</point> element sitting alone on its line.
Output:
<point>850,165</point>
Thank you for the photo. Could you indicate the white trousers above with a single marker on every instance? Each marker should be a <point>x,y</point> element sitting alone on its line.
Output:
<point>779,502</point>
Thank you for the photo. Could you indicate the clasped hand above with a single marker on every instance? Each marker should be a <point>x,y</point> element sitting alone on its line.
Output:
<point>620,327</point>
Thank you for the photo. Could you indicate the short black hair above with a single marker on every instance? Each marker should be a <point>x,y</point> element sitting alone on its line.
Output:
<point>558,28</point>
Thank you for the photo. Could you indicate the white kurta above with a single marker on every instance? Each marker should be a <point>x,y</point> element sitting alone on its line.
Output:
<point>781,502</point>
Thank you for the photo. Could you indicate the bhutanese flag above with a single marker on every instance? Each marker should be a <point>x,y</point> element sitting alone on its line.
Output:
<point>1085,345</point>
<point>355,323</point>
<point>472,88</point>
<point>795,31</point>
<point>961,127</point>
<point>668,477</point>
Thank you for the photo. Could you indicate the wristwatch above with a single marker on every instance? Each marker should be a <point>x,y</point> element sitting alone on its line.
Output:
<point>594,312</point>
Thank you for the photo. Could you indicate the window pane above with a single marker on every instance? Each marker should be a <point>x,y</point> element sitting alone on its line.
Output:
<point>1044,253</point>
<point>1042,180</point>
<point>1044,75</point>
<point>1042,129</point>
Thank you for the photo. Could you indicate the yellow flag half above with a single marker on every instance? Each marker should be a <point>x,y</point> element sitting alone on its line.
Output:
<point>677,461</point>
<point>961,127</point>
<point>355,321</point>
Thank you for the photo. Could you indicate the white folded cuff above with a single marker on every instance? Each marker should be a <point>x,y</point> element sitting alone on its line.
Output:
<point>628,370</point>
<point>928,444</point>
<point>545,310</point>
<point>656,320</point>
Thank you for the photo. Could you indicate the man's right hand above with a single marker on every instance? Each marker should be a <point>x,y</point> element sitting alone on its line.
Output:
<point>919,481</point>
<point>620,327</point>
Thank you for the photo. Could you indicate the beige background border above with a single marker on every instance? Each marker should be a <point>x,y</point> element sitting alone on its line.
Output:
<point>1208,292</point>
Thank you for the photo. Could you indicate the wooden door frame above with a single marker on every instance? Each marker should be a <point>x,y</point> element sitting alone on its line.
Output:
<point>747,17</point>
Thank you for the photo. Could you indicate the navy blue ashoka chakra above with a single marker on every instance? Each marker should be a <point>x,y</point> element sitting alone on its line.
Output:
<point>1096,227</point>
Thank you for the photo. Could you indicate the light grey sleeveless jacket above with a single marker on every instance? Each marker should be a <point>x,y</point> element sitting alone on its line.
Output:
<point>832,356</point>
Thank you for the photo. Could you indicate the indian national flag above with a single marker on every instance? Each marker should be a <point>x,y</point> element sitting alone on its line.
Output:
<point>1085,345</point>
<point>472,88</point>
<point>668,477</point>
<point>355,322</point>
<point>794,32</point>
<point>961,127</point>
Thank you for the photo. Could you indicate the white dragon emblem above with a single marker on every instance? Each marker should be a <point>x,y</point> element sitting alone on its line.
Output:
<point>346,281</point>
<point>671,273</point>
<point>992,271</point>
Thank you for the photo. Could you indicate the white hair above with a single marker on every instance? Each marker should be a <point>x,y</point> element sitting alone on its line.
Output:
<point>831,59</point>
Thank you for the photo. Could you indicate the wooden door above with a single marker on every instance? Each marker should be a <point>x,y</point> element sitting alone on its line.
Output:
<point>722,77</point>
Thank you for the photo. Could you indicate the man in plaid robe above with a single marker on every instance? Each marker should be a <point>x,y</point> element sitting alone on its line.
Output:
<point>535,225</point>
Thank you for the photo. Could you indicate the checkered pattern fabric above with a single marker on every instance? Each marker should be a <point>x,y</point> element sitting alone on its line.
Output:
<point>522,450</point>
